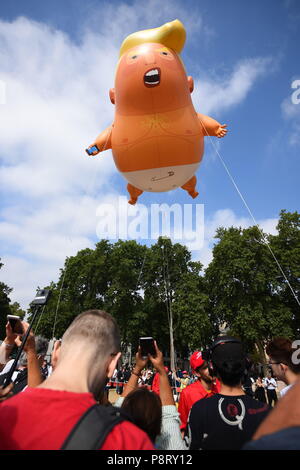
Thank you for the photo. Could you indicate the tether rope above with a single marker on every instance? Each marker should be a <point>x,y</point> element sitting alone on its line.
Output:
<point>251,214</point>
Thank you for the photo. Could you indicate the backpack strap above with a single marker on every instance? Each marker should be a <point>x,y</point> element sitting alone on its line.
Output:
<point>90,432</point>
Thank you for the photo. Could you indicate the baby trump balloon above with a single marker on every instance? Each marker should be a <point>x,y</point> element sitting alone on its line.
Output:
<point>157,137</point>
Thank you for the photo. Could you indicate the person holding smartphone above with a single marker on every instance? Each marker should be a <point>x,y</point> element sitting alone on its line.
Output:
<point>28,372</point>
<point>7,345</point>
<point>6,348</point>
<point>156,415</point>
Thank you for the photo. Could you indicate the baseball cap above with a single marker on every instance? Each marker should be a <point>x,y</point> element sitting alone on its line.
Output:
<point>228,352</point>
<point>196,360</point>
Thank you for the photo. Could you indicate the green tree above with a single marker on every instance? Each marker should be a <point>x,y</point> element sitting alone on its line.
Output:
<point>242,282</point>
<point>174,296</point>
<point>16,309</point>
<point>103,278</point>
<point>194,328</point>
<point>139,286</point>
<point>122,297</point>
<point>286,248</point>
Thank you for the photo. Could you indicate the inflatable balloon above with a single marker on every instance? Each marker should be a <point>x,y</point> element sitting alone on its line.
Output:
<point>157,138</point>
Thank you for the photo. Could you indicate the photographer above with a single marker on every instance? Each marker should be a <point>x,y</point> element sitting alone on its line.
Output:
<point>156,415</point>
<point>41,418</point>
<point>7,346</point>
<point>29,366</point>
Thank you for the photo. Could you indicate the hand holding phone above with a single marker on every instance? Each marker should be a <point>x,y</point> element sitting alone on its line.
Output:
<point>30,343</point>
<point>16,324</point>
<point>158,360</point>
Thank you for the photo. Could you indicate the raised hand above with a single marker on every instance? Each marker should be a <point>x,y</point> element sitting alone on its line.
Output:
<point>30,343</point>
<point>158,361</point>
<point>140,362</point>
<point>10,335</point>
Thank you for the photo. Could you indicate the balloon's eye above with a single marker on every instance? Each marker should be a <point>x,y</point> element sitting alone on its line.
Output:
<point>166,55</point>
<point>132,58</point>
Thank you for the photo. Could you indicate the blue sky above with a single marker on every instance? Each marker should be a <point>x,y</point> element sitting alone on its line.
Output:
<point>57,61</point>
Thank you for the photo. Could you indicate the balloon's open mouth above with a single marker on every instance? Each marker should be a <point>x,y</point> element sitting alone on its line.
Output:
<point>152,77</point>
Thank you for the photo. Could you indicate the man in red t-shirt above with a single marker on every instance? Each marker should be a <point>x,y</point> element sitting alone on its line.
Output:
<point>156,381</point>
<point>205,386</point>
<point>42,417</point>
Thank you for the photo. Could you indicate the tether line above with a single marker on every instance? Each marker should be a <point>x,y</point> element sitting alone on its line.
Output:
<point>251,215</point>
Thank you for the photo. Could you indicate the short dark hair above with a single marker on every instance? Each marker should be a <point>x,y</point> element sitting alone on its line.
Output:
<point>229,361</point>
<point>230,373</point>
<point>145,409</point>
<point>280,350</point>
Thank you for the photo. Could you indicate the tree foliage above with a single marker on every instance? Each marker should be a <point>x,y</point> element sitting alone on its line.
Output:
<point>140,286</point>
<point>15,309</point>
<point>286,247</point>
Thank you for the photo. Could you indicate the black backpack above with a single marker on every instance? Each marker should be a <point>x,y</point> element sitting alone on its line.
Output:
<point>90,432</point>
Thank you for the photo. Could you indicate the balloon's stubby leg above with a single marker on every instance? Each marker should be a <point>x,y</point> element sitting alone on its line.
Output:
<point>190,187</point>
<point>134,193</point>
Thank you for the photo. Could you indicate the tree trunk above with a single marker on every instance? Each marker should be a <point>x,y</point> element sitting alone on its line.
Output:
<point>260,347</point>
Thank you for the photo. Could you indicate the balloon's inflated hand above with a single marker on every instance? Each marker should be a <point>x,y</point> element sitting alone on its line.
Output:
<point>221,131</point>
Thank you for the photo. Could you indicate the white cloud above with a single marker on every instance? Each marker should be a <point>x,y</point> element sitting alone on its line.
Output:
<point>214,96</point>
<point>56,103</point>
<point>290,108</point>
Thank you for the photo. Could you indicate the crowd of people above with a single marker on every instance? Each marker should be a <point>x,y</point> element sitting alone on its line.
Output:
<point>214,405</point>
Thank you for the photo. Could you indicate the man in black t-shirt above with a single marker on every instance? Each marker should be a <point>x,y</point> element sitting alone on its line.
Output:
<point>226,420</point>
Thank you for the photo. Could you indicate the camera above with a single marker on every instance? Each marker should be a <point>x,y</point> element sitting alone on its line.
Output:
<point>41,297</point>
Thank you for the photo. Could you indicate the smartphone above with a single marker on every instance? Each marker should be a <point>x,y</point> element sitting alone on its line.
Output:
<point>15,323</point>
<point>92,150</point>
<point>147,346</point>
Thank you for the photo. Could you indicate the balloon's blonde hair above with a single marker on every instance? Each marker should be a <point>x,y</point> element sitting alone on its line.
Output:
<point>171,35</point>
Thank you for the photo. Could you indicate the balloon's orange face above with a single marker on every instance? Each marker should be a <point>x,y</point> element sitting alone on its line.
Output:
<point>150,78</point>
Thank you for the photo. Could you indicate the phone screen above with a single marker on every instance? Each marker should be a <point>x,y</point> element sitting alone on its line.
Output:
<point>92,150</point>
<point>147,346</point>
